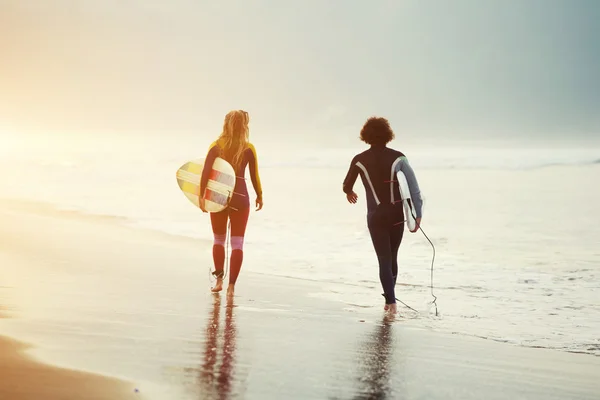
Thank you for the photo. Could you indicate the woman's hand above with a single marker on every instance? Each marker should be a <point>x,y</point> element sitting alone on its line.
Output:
<point>352,197</point>
<point>202,204</point>
<point>259,203</point>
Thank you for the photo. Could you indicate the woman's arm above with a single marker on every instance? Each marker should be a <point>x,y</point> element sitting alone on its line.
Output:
<point>254,175</point>
<point>213,153</point>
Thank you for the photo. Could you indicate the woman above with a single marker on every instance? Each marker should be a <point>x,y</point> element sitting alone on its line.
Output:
<point>234,147</point>
<point>377,167</point>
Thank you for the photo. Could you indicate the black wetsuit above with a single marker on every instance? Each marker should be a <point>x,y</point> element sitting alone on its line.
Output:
<point>377,168</point>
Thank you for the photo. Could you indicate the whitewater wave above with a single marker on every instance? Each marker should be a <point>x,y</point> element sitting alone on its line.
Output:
<point>171,158</point>
<point>307,239</point>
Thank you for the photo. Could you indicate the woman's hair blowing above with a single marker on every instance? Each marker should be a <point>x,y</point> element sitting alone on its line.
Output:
<point>234,138</point>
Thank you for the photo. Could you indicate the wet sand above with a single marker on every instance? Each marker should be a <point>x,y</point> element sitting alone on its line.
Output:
<point>91,295</point>
<point>25,379</point>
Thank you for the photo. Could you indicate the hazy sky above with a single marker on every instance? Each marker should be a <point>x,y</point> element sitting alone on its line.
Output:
<point>453,67</point>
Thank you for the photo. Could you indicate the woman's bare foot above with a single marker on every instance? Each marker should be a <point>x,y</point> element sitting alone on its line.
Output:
<point>218,287</point>
<point>230,290</point>
<point>391,308</point>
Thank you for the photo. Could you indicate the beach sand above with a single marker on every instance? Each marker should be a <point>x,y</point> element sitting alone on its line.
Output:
<point>22,378</point>
<point>95,301</point>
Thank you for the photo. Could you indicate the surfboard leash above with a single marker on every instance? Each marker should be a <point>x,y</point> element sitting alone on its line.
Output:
<point>403,303</point>
<point>411,208</point>
<point>434,302</point>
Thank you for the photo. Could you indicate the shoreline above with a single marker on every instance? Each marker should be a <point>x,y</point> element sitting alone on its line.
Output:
<point>127,303</point>
<point>121,223</point>
<point>25,378</point>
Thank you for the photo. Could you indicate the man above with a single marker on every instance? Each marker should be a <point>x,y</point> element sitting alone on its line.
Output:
<point>377,167</point>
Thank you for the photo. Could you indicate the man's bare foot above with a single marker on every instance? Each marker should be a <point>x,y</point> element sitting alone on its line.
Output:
<point>218,287</point>
<point>391,308</point>
<point>230,290</point>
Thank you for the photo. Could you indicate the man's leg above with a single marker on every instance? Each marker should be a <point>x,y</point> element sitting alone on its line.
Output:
<point>396,234</point>
<point>380,235</point>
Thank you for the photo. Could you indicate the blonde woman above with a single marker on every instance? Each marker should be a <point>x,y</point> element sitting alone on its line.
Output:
<point>233,146</point>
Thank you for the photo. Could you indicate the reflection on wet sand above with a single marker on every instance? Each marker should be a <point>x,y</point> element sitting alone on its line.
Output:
<point>216,372</point>
<point>376,352</point>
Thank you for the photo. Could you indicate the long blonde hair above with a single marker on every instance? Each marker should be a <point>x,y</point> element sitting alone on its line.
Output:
<point>233,141</point>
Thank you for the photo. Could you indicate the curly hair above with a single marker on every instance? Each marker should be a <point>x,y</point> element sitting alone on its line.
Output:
<point>376,131</point>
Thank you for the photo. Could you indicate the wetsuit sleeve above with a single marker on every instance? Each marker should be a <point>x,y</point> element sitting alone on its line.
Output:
<point>213,153</point>
<point>413,185</point>
<point>254,175</point>
<point>350,177</point>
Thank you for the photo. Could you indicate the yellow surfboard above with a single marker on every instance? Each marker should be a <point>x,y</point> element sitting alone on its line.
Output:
<point>220,186</point>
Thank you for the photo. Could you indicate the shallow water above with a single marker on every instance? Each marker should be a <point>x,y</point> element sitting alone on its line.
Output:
<point>517,256</point>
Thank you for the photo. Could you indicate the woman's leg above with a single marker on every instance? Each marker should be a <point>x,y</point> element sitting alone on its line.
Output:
<point>239,221</point>
<point>219,227</point>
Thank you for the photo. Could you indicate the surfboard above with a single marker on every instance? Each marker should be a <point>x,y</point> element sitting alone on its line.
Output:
<point>410,213</point>
<point>219,189</point>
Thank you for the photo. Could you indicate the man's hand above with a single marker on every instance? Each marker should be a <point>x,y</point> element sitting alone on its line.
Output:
<point>352,197</point>
<point>417,225</point>
<point>259,203</point>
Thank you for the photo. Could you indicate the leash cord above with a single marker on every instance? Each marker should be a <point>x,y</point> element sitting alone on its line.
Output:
<point>434,302</point>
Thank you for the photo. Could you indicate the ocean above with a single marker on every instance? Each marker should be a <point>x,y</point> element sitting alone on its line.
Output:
<point>516,230</point>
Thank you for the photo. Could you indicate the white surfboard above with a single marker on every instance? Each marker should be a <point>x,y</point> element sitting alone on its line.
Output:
<point>220,186</point>
<point>410,214</point>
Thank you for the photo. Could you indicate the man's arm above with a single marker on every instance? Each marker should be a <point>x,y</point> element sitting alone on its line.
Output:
<point>413,186</point>
<point>350,177</point>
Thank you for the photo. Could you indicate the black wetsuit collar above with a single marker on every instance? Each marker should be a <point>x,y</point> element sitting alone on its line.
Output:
<point>378,146</point>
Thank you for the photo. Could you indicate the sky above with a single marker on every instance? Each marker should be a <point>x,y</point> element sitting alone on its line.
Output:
<point>313,69</point>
